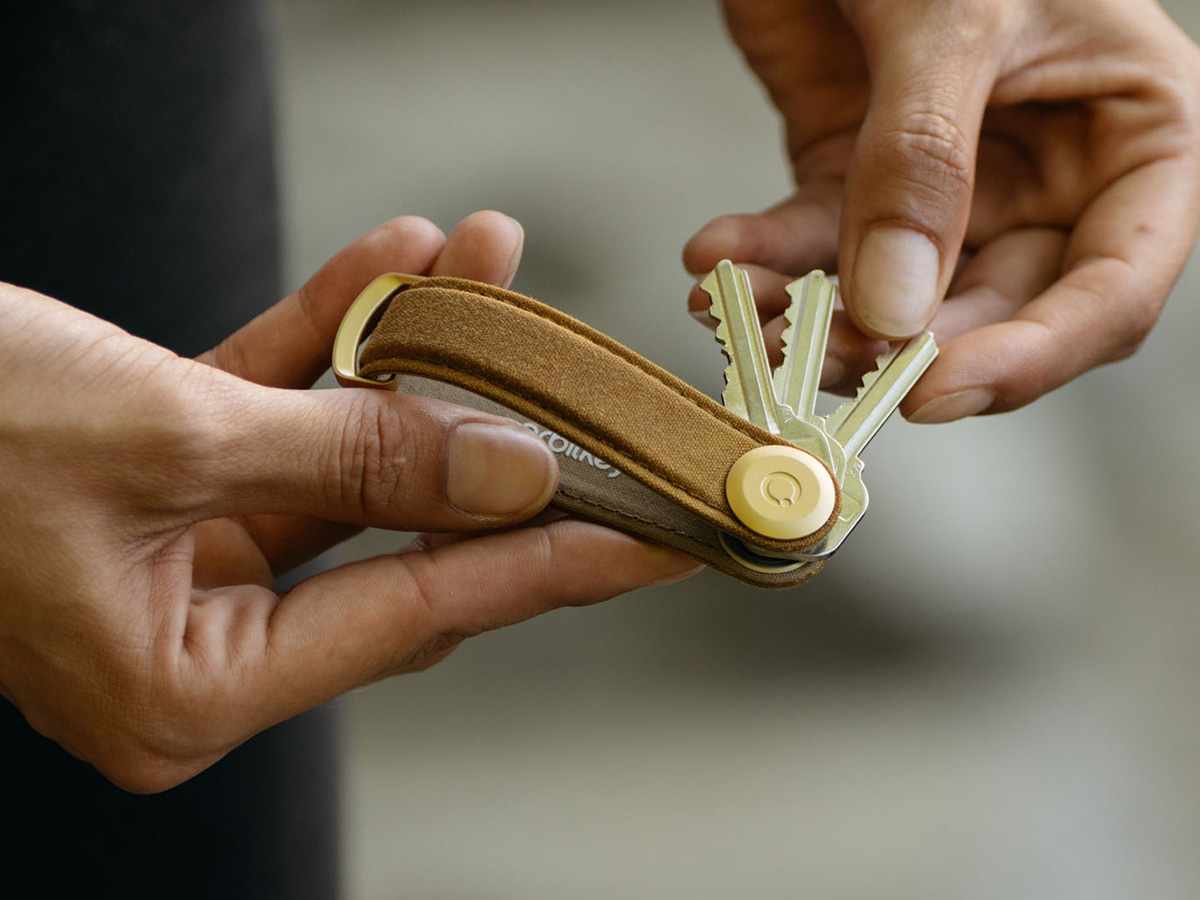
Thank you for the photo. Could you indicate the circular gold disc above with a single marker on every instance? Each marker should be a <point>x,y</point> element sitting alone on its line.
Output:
<point>781,492</point>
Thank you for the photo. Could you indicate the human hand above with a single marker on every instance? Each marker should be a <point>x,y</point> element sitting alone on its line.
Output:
<point>147,502</point>
<point>1059,139</point>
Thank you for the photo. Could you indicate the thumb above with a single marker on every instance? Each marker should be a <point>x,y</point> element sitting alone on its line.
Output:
<point>378,459</point>
<point>909,186</point>
<point>401,613</point>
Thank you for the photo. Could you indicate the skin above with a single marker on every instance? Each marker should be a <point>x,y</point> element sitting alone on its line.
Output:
<point>1034,165</point>
<point>148,501</point>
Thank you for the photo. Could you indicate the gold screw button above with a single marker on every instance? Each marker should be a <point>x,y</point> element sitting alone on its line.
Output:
<point>781,492</point>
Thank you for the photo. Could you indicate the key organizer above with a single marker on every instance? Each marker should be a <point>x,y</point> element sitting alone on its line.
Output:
<point>638,449</point>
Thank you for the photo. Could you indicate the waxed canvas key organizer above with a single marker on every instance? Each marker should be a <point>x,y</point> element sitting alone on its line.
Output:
<point>638,449</point>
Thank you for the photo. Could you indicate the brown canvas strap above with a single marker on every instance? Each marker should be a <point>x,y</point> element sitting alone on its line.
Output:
<point>638,448</point>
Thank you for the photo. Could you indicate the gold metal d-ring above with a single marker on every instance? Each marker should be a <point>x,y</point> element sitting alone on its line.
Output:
<point>362,316</point>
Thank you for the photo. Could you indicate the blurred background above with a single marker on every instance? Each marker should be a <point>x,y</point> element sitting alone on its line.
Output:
<point>990,693</point>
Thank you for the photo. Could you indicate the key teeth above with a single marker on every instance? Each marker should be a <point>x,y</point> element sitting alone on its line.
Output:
<point>722,334</point>
<point>813,295</point>
<point>882,361</point>
<point>839,415</point>
<point>903,366</point>
<point>722,329</point>
<point>790,331</point>
<point>787,336</point>
<point>805,285</point>
<point>730,374</point>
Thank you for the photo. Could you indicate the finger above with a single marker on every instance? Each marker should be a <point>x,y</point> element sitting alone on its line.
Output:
<point>433,540</point>
<point>794,237</point>
<point>1022,175</point>
<point>1126,253</point>
<point>259,659</point>
<point>485,246</point>
<point>989,287</point>
<point>289,540</point>
<point>1000,279</point>
<point>393,614</point>
<point>372,458</point>
<point>284,542</point>
<point>289,345</point>
<point>770,296</point>
<point>908,190</point>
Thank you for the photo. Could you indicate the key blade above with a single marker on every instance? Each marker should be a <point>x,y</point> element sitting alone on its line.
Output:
<point>799,376</point>
<point>853,424</point>
<point>748,391</point>
<point>837,419</point>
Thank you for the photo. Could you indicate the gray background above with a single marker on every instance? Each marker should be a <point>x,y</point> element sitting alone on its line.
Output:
<point>989,694</point>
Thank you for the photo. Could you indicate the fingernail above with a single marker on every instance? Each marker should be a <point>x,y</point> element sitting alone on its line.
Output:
<point>833,372</point>
<point>678,567</point>
<point>498,471</point>
<point>702,316</point>
<point>896,281</point>
<point>953,407</point>
<point>515,260</point>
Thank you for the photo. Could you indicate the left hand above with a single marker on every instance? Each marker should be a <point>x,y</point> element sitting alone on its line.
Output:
<point>148,501</point>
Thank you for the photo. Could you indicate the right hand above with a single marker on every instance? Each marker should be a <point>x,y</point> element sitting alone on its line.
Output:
<point>147,502</point>
<point>1057,142</point>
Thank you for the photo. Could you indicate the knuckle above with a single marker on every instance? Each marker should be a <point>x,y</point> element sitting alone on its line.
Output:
<point>1145,315</point>
<point>972,26</point>
<point>374,448</point>
<point>1142,318</point>
<point>1180,101</point>
<point>442,636</point>
<point>429,637</point>
<point>1028,368</point>
<point>1125,305</point>
<point>432,652</point>
<point>232,355</point>
<point>929,151</point>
